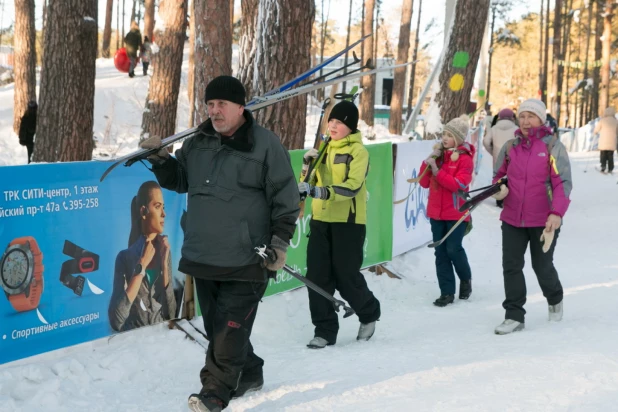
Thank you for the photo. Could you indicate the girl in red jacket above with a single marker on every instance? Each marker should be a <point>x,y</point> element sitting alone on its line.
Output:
<point>451,166</point>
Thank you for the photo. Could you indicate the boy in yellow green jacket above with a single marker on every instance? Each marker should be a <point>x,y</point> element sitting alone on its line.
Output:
<point>337,227</point>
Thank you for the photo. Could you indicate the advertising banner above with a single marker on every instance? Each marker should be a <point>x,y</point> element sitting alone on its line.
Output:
<point>80,259</point>
<point>411,226</point>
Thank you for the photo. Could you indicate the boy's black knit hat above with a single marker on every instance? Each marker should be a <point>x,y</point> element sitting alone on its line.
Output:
<point>345,112</point>
<point>226,88</point>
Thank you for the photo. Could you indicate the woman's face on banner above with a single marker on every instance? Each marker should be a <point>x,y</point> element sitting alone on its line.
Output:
<point>155,213</point>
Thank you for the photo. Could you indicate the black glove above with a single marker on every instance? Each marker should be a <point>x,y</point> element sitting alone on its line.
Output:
<point>277,254</point>
<point>154,142</point>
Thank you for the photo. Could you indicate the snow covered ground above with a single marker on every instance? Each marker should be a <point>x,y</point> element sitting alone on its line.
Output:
<point>422,358</point>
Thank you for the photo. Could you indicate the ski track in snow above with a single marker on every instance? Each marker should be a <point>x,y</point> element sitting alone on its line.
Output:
<point>421,358</point>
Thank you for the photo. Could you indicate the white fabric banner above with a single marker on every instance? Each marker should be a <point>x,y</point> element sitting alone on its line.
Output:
<point>411,227</point>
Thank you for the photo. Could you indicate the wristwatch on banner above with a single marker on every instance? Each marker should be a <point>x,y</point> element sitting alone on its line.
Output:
<point>138,270</point>
<point>83,262</point>
<point>21,273</point>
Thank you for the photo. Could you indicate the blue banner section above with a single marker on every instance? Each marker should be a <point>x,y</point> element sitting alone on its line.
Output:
<point>80,259</point>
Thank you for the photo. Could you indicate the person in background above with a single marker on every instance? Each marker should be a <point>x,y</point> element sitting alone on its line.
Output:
<point>338,228</point>
<point>133,43</point>
<point>145,53</point>
<point>535,201</point>
<point>607,126</point>
<point>500,133</point>
<point>451,168</point>
<point>27,128</point>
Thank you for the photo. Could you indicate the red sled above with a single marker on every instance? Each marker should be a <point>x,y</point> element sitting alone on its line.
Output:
<point>121,60</point>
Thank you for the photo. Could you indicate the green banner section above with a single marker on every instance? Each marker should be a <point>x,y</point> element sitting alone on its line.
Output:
<point>379,241</point>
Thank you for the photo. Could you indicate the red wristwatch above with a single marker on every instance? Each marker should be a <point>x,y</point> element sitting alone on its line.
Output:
<point>21,273</point>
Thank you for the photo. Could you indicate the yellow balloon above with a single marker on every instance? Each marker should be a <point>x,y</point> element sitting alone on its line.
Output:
<point>457,82</point>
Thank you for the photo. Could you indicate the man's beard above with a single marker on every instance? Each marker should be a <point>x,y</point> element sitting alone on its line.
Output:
<point>224,128</point>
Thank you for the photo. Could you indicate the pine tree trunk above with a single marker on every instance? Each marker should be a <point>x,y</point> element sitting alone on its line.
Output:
<point>368,83</point>
<point>546,56</point>
<point>159,117</point>
<point>149,22</point>
<point>44,23</point>
<point>491,53</point>
<point>213,50</point>
<point>583,115</point>
<point>323,29</point>
<point>107,31</point>
<point>556,86</point>
<point>567,46</point>
<point>25,59</point>
<point>191,76</point>
<point>283,42</point>
<point>347,44</point>
<point>399,81</point>
<point>133,11</point>
<point>232,16</point>
<point>461,59</point>
<point>414,58</point>
<point>541,43</point>
<point>66,104</point>
<point>118,25</point>
<point>123,11</point>
<point>247,45</point>
<point>607,43</point>
<point>598,50</point>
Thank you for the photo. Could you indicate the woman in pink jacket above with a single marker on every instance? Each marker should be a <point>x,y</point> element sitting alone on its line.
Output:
<point>535,201</point>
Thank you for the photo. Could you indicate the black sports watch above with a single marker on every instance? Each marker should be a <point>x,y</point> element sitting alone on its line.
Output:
<point>138,269</point>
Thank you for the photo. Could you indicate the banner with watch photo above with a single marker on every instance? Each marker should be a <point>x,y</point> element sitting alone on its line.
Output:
<point>82,260</point>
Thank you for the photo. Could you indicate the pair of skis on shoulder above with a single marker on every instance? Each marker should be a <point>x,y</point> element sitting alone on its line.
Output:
<point>279,94</point>
<point>471,203</point>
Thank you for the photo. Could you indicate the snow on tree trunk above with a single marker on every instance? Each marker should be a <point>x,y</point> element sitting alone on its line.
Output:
<point>159,117</point>
<point>66,103</point>
<point>25,59</point>
<point>213,49</point>
<point>282,45</point>
<point>461,59</point>
<point>399,82</point>
<point>149,22</point>
<point>246,57</point>
<point>368,83</point>
<point>107,30</point>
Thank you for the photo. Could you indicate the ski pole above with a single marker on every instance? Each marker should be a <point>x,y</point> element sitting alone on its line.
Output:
<point>317,79</point>
<point>261,251</point>
<point>317,132</point>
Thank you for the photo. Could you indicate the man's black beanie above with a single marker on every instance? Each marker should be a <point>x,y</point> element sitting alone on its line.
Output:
<point>226,88</point>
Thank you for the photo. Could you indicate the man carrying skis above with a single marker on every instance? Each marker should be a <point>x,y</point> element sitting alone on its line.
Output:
<point>242,193</point>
